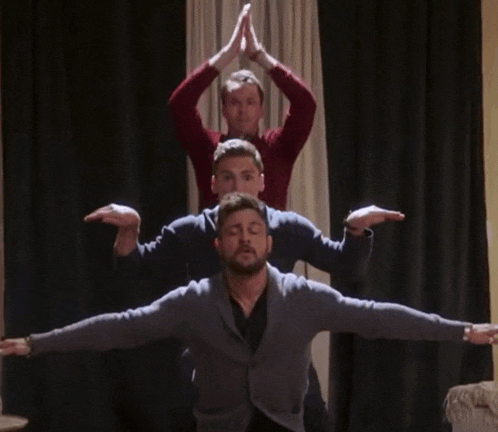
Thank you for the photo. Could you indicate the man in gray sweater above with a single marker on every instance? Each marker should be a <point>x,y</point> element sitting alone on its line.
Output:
<point>249,328</point>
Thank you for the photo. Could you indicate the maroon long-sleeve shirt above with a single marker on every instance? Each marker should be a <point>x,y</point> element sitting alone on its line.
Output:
<point>279,147</point>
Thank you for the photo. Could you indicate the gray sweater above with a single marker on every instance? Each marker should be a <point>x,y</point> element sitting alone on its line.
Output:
<point>231,381</point>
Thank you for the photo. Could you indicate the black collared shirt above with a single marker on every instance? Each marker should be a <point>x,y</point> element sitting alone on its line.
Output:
<point>252,329</point>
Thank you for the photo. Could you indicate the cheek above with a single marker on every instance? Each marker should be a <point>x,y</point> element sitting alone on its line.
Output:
<point>228,111</point>
<point>257,112</point>
<point>254,110</point>
<point>262,245</point>
<point>249,188</point>
<point>230,245</point>
<point>252,188</point>
<point>223,186</point>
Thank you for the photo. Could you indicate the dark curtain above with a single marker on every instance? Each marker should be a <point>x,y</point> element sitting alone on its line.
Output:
<point>403,102</point>
<point>85,123</point>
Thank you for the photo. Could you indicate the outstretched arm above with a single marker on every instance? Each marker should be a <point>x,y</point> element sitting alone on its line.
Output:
<point>372,319</point>
<point>161,319</point>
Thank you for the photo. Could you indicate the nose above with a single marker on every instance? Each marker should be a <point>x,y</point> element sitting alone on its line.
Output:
<point>236,185</point>
<point>244,237</point>
<point>242,108</point>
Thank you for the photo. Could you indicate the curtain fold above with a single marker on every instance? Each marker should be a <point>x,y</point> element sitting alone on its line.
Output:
<point>404,124</point>
<point>85,123</point>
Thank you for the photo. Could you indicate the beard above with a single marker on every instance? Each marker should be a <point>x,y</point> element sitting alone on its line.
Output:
<point>243,269</point>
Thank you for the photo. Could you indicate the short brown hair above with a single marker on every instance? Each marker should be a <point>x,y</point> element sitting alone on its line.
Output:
<point>239,79</point>
<point>236,147</point>
<point>235,201</point>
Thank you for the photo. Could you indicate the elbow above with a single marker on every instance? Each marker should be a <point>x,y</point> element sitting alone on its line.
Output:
<point>312,105</point>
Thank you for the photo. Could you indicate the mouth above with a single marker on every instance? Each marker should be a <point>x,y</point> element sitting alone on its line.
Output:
<point>246,250</point>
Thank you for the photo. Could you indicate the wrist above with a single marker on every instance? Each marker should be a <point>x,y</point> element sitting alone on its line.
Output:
<point>355,231</point>
<point>29,345</point>
<point>222,59</point>
<point>126,240</point>
<point>255,55</point>
<point>466,333</point>
<point>263,59</point>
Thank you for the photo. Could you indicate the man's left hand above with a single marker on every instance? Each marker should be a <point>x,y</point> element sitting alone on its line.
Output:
<point>482,334</point>
<point>366,217</point>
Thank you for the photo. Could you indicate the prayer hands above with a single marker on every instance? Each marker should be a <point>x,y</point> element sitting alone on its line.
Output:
<point>126,219</point>
<point>235,45</point>
<point>243,40</point>
<point>358,220</point>
<point>250,45</point>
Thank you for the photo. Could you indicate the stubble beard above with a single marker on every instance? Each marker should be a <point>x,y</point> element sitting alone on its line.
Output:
<point>238,268</point>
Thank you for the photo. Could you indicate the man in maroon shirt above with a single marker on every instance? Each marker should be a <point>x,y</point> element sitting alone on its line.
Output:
<point>242,100</point>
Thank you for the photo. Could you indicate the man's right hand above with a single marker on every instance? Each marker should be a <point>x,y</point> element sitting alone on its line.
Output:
<point>224,57</point>
<point>126,219</point>
<point>18,346</point>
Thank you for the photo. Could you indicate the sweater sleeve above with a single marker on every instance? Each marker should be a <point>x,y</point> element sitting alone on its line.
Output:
<point>189,129</point>
<point>346,258</point>
<point>166,317</point>
<point>164,258</point>
<point>199,142</point>
<point>332,311</point>
<point>290,139</point>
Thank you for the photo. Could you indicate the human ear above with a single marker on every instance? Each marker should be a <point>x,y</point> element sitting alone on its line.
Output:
<point>262,182</point>
<point>269,243</point>
<point>213,187</point>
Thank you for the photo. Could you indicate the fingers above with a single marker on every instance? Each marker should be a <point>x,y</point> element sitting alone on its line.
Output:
<point>250,35</point>
<point>390,215</point>
<point>373,215</point>
<point>246,9</point>
<point>242,20</point>
<point>8,351</point>
<point>114,214</point>
<point>243,15</point>
<point>482,334</point>
<point>243,44</point>
<point>233,46</point>
<point>97,215</point>
<point>17,346</point>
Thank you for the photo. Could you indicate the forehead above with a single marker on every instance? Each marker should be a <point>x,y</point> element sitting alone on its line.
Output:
<point>236,164</point>
<point>244,217</point>
<point>238,90</point>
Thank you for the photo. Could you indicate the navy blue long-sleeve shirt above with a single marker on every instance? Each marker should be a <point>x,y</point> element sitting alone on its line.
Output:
<point>185,249</point>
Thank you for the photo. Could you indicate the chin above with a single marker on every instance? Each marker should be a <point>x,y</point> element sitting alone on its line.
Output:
<point>246,132</point>
<point>247,269</point>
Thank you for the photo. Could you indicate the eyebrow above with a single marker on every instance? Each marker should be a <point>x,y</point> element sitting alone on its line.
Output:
<point>239,225</point>
<point>246,171</point>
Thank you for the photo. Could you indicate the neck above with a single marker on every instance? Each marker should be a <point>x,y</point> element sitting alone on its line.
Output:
<point>246,289</point>
<point>246,136</point>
